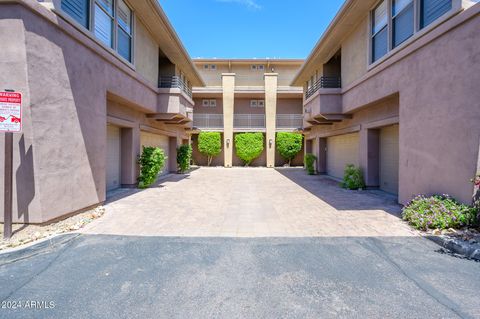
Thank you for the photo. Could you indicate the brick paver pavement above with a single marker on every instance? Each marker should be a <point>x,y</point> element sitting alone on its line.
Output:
<point>251,202</point>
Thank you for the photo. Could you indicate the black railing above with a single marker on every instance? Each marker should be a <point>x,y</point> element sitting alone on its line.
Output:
<point>174,82</point>
<point>325,82</point>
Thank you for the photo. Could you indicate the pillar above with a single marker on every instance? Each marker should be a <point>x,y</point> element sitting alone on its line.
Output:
<point>228,83</point>
<point>271,80</point>
<point>370,156</point>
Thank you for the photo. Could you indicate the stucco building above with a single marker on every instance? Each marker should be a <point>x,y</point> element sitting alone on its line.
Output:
<point>247,95</point>
<point>392,87</point>
<point>100,79</point>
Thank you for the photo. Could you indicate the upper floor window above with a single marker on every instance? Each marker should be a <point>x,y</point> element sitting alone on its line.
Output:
<point>257,67</point>
<point>210,66</point>
<point>111,22</point>
<point>393,22</point>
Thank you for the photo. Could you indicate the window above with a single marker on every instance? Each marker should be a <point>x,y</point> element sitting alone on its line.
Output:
<point>402,20</point>
<point>261,103</point>
<point>257,67</point>
<point>213,103</point>
<point>379,31</point>
<point>253,103</point>
<point>111,23</point>
<point>206,66</point>
<point>431,10</point>
<point>206,103</point>
<point>213,67</point>
<point>78,10</point>
<point>254,67</point>
<point>261,67</point>
<point>103,17</point>
<point>124,30</point>
<point>394,21</point>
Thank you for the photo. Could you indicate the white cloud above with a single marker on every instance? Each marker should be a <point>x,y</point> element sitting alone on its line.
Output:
<point>251,4</point>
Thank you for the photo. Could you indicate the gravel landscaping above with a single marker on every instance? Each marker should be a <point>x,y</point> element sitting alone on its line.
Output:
<point>26,234</point>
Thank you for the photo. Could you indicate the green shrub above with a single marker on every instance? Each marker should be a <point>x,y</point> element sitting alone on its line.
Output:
<point>353,177</point>
<point>439,212</point>
<point>289,145</point>
<point>210,145</point>
<point>184,157</point>
<point>249,146</point>
<point>310,163</point>
<point>151,163</point>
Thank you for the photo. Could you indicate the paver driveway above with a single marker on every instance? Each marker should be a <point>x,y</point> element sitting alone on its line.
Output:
<point>251,202</point>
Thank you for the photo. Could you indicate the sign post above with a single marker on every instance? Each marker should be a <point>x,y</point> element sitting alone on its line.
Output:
<point>10,122</point>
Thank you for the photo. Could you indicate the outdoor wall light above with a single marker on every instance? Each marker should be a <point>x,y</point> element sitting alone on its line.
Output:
<point>270,143</point>
<point>228,142</point>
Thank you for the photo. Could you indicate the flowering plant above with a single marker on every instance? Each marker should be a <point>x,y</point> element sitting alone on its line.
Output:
<point>438,212</point>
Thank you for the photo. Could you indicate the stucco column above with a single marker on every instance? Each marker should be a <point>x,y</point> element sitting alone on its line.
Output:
<point>370,156</point>
<point>271,80</point>
<point>131,149</point>
<point>228,83</point>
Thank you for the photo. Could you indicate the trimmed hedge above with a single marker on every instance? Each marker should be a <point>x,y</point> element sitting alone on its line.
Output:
<point>310,163</point>
<point>353,177</point>
<point>249,146</point>
<point>210,145</point>
<point>184,157</point>
<point>151,163</point>
<point>289,145</point>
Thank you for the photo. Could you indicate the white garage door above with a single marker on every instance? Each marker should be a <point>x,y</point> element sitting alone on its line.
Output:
<point>389,159</point>
<point>156,140</point>
<point>113,168</point>
<point>341,150</point>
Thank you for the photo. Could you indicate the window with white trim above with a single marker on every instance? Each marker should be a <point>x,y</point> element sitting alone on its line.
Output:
<point>111,22</point>
<point>393,22</point>
<point>206,103</point>
<point>213,103</point>
<point>261,103</point>
<point>253,103</point>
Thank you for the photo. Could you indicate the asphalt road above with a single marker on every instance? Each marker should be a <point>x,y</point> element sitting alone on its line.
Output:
<point>97,276</point>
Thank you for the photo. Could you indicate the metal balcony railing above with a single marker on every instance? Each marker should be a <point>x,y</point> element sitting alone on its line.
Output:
<point>289,121</point>
<point>325,82</point>
<point>249,121</point>
<point>170,82</point>
<point>208,121</point>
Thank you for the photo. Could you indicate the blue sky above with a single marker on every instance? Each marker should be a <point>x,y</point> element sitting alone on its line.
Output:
<point>250,28</point>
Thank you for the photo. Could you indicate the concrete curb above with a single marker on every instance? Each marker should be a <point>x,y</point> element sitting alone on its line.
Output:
<point>37,248</point>
<point>457,246</point>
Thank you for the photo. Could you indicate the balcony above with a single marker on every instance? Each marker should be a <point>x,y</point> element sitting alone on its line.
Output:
<point>325,82</point>
<point>324,108</point>
<point>208,121</point>
<point>174,82</point>
<point>289,121</point>
<point>249,121</point>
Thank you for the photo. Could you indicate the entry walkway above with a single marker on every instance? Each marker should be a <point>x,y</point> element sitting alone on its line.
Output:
<point>251,202</point>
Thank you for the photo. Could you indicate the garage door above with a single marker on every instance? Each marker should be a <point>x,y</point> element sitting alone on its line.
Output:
<point>341,150</point>
<point>113,168</point>
<point>156,140</point>
<point>389,159</point>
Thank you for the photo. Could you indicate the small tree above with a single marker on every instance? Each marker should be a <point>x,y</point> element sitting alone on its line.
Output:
<point>249,146</point>
<point>151,163</point>
<point>184,156</point>
<point>289,145</point>
<point>210,145</point>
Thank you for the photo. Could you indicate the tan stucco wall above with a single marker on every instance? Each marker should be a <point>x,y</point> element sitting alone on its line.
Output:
<point>271,80</point>
<point>289,106</point>
<point>355,53</point>
<point>146,54</point>
<point>228,83</point>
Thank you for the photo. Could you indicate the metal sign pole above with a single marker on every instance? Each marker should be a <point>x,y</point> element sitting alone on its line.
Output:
<point>8,187</point>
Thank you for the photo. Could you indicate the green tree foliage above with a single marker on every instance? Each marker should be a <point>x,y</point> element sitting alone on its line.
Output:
<point>353,177</point>
<point>249,146</point>
<point>184,156</point>
<point>210,145</point>
<point>289,145</point>
<point>310,163</point>
<point>151,163</point>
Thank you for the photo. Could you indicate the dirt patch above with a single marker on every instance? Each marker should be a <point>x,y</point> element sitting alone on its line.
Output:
<point>25,234</point>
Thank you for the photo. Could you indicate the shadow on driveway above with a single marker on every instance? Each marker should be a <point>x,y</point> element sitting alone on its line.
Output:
<point>329,191</point>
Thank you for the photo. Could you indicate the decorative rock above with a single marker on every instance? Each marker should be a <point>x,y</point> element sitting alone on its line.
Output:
<point>436,232</point>
<point>476,254</point>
